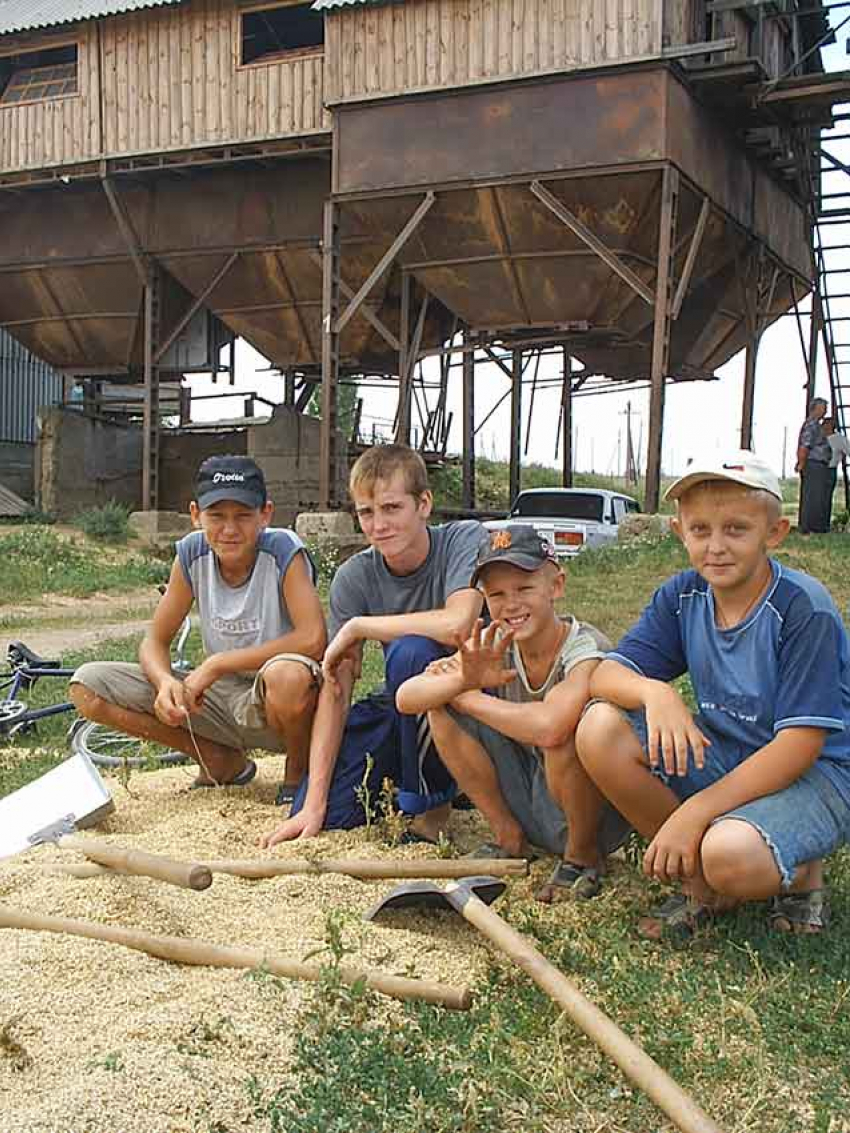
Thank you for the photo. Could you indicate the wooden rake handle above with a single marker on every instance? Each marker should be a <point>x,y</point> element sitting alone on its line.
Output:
<point>634,1062</point>
<point>180,950</point>
<point>187,875</point>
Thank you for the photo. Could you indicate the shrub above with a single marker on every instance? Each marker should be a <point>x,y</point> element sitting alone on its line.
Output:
<point>110,522</point>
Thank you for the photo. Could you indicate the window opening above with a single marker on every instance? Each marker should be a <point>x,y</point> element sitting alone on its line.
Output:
<point>32,76</point>
<point>272,33</point>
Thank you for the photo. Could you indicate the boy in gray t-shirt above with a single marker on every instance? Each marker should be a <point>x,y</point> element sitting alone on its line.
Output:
<point>513,752</point>
<point>410,591</point>
<point>263,632</point>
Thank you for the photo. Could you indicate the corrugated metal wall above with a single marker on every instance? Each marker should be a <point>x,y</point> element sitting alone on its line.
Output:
<point>25,384</point>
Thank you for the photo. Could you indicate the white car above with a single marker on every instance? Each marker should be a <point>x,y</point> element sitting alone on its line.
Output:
<point>570,518</point>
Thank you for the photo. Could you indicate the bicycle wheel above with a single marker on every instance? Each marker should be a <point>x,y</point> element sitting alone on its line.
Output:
<point>108,748</point>
<point>10,711</point>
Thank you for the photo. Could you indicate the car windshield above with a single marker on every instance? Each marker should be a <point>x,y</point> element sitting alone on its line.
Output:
<point>564,505</point>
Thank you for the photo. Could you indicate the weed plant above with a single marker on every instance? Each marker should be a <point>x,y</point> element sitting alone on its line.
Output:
<point>109,522</point>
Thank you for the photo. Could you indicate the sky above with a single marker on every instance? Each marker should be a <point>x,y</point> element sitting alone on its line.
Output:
<point>700,417</point>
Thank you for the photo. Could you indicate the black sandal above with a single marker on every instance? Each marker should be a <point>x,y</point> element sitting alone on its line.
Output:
<point>573,880</point>
<point>805,913</point>
<point>678,919</point>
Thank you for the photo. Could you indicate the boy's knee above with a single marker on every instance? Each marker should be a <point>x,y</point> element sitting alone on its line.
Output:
<point>597,730</point>
<point>408,656</point>
<point>86,702</point>
<point>736,861</point>
<point>289,690</point>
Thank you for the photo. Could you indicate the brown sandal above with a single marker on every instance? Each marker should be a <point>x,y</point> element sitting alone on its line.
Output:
<point>805,913</point>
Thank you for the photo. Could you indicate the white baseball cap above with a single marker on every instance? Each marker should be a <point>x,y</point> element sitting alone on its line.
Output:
<point>738,467</point>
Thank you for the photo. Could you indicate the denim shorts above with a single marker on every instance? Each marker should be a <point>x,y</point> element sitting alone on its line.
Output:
<point>800,824</point>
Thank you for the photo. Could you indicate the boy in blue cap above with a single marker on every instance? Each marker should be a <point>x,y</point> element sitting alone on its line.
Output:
<point>742,800</point>
<point>263,632</point>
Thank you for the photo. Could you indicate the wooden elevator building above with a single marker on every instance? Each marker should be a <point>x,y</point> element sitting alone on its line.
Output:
<point>354,185</point>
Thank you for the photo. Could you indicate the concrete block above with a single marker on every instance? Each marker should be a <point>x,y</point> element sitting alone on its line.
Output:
<point>314,525</point>
<point>640,526</point>
<point>160,526</point>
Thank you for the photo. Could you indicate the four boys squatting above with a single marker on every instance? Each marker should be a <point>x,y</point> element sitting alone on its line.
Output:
<point>564,741</point>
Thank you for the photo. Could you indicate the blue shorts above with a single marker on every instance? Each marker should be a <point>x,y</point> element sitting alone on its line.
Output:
<point>800,824</point>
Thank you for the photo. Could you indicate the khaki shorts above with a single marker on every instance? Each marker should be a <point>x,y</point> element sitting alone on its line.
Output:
<point>233,711</point>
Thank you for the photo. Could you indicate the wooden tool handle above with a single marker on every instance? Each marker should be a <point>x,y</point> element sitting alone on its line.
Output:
<point>199,952</point>
<point>371,869</point>
<point>188,875</point>
<point>635,1063</point>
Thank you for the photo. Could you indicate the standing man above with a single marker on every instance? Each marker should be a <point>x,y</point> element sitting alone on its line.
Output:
<point>816,480</point>
<point>840,447</point>
<point>411,591</point>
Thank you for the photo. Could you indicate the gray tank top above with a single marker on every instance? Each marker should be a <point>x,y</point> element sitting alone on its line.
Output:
<point>241,617</point>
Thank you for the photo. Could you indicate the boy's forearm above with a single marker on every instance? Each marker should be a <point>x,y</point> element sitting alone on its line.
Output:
<point>539,724</point>
<point>442,626</point>
<point>155,660</point>
<point>621,685</point>
<point>328,727</point>
<point>770,769</point>
<point>428,690</point>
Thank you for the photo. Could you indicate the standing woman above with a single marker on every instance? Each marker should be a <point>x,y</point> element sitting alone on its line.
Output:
<point>813,460</point>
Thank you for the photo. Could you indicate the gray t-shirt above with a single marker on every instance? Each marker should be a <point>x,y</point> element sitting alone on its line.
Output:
<point>583,642</point>
<point>241,617</point>
<point>364,586</point>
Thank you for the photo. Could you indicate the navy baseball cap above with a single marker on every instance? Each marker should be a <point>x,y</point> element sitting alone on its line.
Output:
<point>230,478</point>
<point>518,544</point>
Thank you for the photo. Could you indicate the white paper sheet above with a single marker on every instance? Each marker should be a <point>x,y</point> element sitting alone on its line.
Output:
<point>74,787</point>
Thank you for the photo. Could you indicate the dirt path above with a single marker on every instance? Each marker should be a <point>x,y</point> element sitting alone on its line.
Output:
<point>64,624</point>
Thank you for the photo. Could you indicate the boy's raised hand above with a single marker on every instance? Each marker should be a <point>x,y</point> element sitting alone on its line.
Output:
<point>671,733</point>
<point>481,659</point>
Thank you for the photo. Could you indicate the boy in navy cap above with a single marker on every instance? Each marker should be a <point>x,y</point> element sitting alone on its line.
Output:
<point>513,753</point>
<point>263,632</point>
<point>743,799</point>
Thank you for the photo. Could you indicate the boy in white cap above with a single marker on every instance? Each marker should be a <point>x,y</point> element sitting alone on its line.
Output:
<point>742,799</point>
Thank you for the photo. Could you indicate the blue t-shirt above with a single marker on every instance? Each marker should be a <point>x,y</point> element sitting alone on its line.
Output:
<point>786,665</point>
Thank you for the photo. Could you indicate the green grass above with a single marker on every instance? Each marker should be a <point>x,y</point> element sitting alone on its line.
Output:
<point>754,1025</point>
<point>38,561</point>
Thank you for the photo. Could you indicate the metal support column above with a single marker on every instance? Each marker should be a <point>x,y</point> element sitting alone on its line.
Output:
<point>567,420</point>
<point>661,335</point>
<point>151,419</point>
<point>330,354</point>
<point>514,477</point>
<point>749,391</point>
<point>405,369</point>
<point>468,426</point>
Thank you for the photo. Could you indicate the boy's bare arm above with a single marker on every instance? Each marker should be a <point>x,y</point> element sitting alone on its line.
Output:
<point>671,732</point>
<point>456,618</point>
<point>308,635</point>
<point>548,723</point>
<point>155,650</point>
<point>674,850</point>
<point>479,663</point>
<point>328,726</point>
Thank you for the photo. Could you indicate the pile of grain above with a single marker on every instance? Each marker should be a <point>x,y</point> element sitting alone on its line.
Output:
<point>95,1038</point>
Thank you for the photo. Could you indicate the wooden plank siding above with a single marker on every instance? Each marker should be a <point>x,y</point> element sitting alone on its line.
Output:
<point>170,81</point>
<point>55,130</point>
<point>434,44</point>
<point>193,92</point>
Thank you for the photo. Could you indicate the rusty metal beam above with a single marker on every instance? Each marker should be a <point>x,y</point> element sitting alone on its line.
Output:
<point>385,261</point>
<point>77,317</point>
<point>593,242</point>
<point>567,422</point>
<point>514,468</point>
<point>468,427</point>
<point>365,311</point>
<point>128,234</point>
<point>691,258</point>
<point>330,353</point>
<point>406,379</point>
<point>43,285</point>
<point>299,318</point>
<point>501,257</point>
<point>505,245</point>
<point>194,307</point>
<point>660,335</point>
